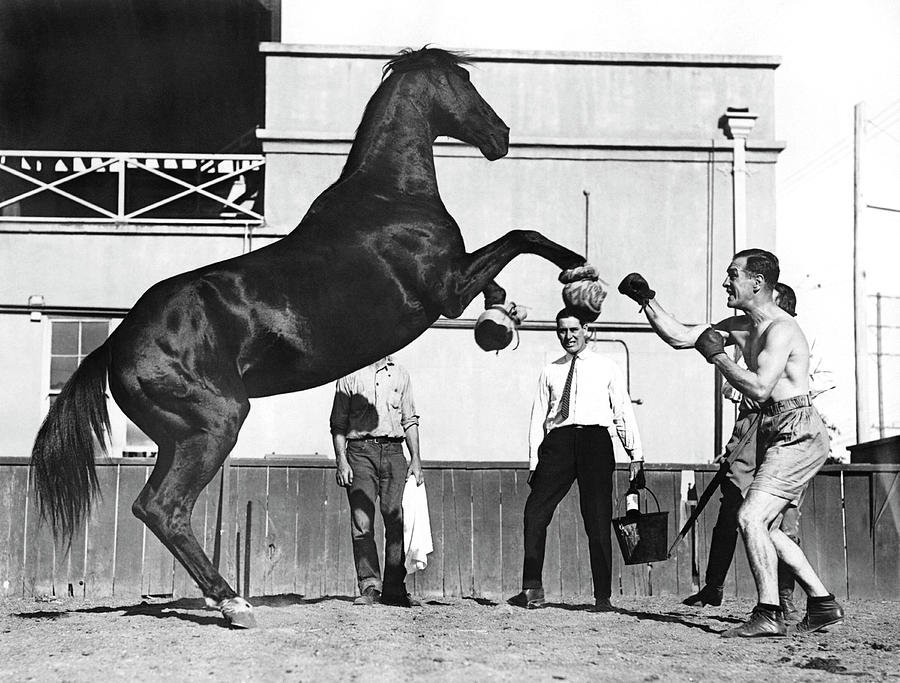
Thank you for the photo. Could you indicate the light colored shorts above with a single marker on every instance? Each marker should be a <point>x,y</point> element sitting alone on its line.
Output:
<point>792,445</point>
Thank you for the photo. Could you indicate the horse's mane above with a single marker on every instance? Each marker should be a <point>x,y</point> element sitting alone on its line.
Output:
<point>411,60</point>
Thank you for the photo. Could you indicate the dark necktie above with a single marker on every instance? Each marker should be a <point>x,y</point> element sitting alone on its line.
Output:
<point>567,390</point>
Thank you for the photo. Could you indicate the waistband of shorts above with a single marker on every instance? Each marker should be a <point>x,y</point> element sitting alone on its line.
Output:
<point>784,405</point>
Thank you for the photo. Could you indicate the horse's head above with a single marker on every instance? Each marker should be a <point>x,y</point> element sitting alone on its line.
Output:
<point>447,96</point>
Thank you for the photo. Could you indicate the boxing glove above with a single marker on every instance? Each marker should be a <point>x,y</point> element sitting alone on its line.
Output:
<point>710,344</point>
<point>635,287</point>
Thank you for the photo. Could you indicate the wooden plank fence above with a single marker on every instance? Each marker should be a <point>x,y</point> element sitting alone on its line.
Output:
<point>283,528</point>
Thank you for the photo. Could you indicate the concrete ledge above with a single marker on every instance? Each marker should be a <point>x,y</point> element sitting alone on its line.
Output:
<point>534,56</point>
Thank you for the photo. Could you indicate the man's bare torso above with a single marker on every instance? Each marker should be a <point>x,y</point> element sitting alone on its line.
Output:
<point>756,340</point>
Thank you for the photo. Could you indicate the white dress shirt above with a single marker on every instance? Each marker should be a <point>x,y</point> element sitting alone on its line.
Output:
<point>598,396</point>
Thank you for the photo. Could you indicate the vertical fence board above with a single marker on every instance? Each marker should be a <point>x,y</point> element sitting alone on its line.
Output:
<point>310,549</point>
<point>513,492</point>
<point>335,526</point>
<point>40,556</point>
<point>809,534</point>
<point>830,533</point>
<point>886,530</point>
<point>488,537</point>
<point>452,573</point>
<point>251,510</point>
<point>461,510</point>
<point>231,559</point>
<point>569,515</point>
<point>666,485</point>
<point>129,534</point>
<point>13,501</point>
<point>429,581</point>
<point>101,536</point>
<point>282,522</point>
<point>860,545</point>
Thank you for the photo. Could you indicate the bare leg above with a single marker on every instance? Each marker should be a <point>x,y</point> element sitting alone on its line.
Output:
<point>791,555</point>
<point>755,518</point>
<point>473,273</point>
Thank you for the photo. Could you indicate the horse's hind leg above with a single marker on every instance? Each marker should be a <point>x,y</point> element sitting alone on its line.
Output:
<point>165,505</point>
<point>475,272</point>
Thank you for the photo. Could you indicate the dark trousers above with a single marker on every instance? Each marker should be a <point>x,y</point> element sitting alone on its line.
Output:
<point>568,454</point>
<point>725,534</point>
<point>379,471</point>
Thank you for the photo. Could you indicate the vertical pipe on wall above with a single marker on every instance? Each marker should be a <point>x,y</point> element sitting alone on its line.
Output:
<point>860,332</point>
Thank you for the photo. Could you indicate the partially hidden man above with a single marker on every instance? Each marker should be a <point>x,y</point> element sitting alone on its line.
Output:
<point>372,415</point>
<point>579,397</point>
<point>792,442</point>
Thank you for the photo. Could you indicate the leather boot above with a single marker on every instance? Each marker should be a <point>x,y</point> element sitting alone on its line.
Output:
<point>763,623</point>
<point>708,595</point>
<point>529,598</point>
<point>820,615</point>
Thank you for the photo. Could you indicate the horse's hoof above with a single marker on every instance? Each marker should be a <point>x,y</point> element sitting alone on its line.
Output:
<point>585,272</point>
<point>237,612</point>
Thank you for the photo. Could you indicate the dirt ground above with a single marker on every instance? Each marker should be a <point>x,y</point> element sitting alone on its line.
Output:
<point>646,639</point>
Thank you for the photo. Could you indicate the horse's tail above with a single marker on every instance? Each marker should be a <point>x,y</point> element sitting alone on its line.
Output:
<point>62,460</point>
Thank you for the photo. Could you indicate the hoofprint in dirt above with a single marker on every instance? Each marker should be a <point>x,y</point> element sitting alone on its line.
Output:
<point>645,639</point>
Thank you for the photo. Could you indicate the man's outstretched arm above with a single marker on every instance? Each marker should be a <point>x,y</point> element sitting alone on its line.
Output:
<point>672,331</point>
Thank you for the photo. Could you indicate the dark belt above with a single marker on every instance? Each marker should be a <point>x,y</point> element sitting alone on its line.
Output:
<point>379,439</point>
<point>775,407</point>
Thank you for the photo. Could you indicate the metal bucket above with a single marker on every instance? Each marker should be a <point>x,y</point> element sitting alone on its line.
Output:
<point>645,538</point>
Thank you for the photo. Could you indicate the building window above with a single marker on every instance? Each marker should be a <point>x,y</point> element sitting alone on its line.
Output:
<point>70,342</point>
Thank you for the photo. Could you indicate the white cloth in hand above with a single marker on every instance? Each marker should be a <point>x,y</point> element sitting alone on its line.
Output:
<point>416,526</point>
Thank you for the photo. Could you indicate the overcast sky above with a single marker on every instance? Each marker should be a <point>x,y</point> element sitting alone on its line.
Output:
<point>833,55</point>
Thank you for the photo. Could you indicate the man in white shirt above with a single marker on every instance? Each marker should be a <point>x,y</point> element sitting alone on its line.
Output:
<point>580,396</point>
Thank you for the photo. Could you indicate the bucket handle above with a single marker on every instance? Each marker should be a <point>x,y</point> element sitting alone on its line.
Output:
<point>648,490</point>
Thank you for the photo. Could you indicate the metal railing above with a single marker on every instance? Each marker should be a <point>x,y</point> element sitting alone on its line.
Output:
<point>130,187</point>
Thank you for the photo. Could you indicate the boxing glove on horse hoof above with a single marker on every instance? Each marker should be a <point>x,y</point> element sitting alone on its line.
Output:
<point>710,344</point>
<point>635,287</point>
<point>585,272</point>
<point>586,296</point>
<point>496,327</point>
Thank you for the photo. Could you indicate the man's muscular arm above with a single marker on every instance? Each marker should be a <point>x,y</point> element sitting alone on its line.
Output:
<point>770,364</point>
<point>672,331</point>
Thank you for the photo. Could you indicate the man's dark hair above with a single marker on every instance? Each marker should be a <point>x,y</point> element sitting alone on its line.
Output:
<point>786,299</point>
<point>761,262</point>
<point>569,312</point>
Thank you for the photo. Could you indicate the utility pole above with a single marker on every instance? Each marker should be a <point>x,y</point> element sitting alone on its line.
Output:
<point>860,331</point>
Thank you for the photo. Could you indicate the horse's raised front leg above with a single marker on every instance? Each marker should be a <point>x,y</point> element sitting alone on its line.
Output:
<point>494,295</point>
<point>474,273</point>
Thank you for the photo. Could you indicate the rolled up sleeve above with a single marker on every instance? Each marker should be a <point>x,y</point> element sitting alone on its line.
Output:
<point>340,408</point>
<point>408,416</point>
<point>623,415</point>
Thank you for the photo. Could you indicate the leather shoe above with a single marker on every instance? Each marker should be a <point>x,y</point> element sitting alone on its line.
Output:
<point>762,623</point>
<point>820,615</point>
<point>529,598</point>
<point>369,596</point>
<point>403,600</point>
<point>708,595</point>
<point>602,605</point>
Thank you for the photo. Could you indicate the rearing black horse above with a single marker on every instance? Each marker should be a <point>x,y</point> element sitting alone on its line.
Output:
<point>375,261</point>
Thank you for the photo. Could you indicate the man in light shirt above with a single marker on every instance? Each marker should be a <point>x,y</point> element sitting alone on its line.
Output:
<point>372,415</point>
<point>580,396</point>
